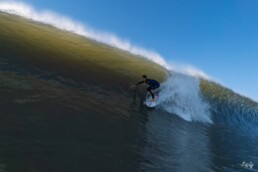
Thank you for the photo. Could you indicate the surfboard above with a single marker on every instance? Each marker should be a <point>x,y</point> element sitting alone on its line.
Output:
<point>149,102</point>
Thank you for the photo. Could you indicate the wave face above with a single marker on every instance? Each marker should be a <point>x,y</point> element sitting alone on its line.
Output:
<point>66,105</point>
<point>230,107</point>
<point>189,112</point>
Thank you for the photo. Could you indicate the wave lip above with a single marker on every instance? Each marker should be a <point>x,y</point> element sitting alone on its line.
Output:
<point>68,24</point>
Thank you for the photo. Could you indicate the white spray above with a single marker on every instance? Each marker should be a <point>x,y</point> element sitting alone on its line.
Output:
<point>181,95</point>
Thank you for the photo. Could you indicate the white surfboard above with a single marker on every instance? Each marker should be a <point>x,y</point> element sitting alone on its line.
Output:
<point>151,103</point>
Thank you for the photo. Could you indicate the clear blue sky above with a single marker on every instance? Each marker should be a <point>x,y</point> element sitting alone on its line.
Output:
<point>220,37</point>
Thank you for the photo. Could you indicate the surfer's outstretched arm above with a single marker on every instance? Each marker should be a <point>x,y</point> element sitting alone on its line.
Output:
<point>139,83</point>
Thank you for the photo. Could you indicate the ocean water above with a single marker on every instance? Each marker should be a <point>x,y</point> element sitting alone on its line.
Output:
<point>68,113</point>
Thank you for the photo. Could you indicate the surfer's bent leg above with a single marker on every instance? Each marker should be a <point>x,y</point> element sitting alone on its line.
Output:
<point>154,87</point>
<point>149,89</point>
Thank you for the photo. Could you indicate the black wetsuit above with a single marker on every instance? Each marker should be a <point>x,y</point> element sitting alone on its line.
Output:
<point>153,84</point>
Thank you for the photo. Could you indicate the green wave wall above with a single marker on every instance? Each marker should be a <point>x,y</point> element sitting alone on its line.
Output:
<point>42,45</point>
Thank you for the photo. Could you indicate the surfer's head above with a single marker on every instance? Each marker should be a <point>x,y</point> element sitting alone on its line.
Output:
<point>144,77</point>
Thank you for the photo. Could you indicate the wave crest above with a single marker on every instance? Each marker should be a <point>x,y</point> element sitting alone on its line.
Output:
<point>65,23</point>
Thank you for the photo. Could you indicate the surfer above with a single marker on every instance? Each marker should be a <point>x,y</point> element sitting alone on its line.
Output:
<point>153,84</point>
